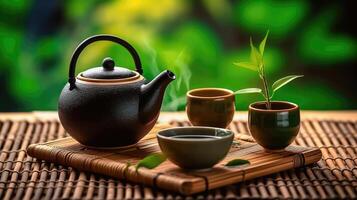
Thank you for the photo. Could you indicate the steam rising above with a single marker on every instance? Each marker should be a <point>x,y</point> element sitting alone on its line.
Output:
<point>175,95</point>
<point>184,76</point>
<point>154,69</point>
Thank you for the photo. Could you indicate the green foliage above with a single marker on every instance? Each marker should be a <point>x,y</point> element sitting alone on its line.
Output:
<point>280,16</point>
<point>151,161</point>
<point>34,58</point>
<point>10,43</point>
<point>14,7</point>
<point>320,95</point>
<point>237,162</point>
<point>318,45</point>
<point>257,64</point>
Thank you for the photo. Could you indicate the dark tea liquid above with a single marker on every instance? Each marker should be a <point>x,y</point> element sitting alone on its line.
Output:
<point>196,136</point>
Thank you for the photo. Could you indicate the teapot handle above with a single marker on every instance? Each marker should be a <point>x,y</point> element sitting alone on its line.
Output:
<point>86,42</point>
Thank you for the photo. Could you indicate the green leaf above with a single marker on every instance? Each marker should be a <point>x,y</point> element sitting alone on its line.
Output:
<point>283,81</point>
<point>248,90</point>
<point>151,161</point>
<point>255,56</point>
<point>237,162</point>
<point>247,65</point>
<point>262,44</point>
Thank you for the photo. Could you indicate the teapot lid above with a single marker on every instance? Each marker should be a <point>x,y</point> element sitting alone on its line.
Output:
<point>108,70</point>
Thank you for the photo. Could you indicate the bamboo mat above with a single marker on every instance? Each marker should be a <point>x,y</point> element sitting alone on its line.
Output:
<point>23,177</point>
<point>168,176</point>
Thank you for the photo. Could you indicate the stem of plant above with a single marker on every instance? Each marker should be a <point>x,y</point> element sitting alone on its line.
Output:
<point>266,89</point>
<point>267,93</point>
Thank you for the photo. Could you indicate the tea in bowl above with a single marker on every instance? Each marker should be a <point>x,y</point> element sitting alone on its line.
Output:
<point>213,107</point>
<point>195,147</point>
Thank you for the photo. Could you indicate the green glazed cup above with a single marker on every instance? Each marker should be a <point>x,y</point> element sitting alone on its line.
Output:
<point>212,107</point>
<point>274,129</point>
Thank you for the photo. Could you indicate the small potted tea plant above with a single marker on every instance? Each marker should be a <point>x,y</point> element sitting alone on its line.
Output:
<point>273,124</point>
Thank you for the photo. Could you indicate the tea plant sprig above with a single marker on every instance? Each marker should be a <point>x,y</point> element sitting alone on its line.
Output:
<point>256,63</point>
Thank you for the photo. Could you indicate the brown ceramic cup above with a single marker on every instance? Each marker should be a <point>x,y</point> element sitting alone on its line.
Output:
<point>210,107</point>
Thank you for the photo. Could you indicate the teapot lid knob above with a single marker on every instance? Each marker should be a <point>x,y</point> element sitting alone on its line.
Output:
<point>108,64</point>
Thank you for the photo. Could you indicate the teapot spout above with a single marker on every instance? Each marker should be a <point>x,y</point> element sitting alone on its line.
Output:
<point>152,94</point>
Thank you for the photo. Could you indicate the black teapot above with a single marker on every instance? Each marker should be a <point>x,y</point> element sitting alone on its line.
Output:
<point>109,106</point>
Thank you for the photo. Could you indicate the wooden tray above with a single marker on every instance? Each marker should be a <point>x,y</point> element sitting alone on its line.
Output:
<point>68,152</point>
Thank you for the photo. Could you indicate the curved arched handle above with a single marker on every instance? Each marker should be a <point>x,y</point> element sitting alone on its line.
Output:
<point>86,42</point>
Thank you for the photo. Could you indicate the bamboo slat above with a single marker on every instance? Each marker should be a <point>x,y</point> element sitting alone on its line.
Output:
<point>333,177</point>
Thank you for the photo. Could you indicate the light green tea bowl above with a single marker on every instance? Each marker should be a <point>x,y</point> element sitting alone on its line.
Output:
<point>195,147</point>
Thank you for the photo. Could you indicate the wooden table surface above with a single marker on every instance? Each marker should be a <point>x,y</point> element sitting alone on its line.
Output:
<point>333,177</point>
<point>168,116</point>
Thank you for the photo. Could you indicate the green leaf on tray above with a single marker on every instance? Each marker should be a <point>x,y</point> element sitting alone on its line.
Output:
<point>237,162</point>
<point>262,44</point>
<point>283,81</point>
<point>248,90</point>
<point>151,161</point>
<point>247,65</point>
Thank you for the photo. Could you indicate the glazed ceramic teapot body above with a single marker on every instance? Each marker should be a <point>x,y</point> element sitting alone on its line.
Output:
<point>110,106</point>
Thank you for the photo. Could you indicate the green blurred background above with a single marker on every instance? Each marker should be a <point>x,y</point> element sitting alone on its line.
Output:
<point>198,40</point>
